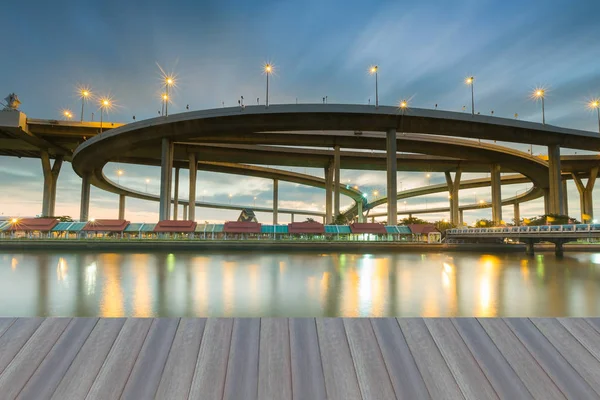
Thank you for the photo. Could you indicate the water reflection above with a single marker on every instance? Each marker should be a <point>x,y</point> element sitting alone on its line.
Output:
<point>157,284</point>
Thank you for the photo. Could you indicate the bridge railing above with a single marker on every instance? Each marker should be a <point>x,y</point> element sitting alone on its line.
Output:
<point>525,229</point>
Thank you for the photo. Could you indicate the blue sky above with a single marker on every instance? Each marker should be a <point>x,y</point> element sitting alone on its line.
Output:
<point>320,48</point>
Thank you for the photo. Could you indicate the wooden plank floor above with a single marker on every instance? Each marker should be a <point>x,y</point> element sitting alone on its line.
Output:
<point>280,358</point>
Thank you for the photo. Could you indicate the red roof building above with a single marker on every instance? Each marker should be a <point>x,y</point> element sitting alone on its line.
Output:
<point>33,224</point>
<point>377,229</point>
<point>106,225</point>
<point>170,226</point>
<point>306,227</point>
<point>241,227</point>
<point>422,229</point>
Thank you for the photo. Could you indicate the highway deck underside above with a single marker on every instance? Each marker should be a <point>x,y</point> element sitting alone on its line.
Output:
<point>280,358</point>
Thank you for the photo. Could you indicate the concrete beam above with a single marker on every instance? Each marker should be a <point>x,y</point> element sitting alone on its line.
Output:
<point>84,209</point>
<point>121,206</point>
<point>496,194</point>
<point>275,200</point>
<point>176,195</point>
<point>586,200</point>
<point>192,192</point>
<point>391,167</point>
<point>555,193</point>
<point>165,179</point>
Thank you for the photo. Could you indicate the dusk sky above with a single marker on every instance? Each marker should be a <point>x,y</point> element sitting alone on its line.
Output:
<point>424,51</point>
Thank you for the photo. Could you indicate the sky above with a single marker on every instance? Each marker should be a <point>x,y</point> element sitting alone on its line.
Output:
<point>216,49</point>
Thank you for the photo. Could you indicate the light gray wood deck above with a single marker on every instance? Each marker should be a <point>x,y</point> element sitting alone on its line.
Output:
<point>280,358</point>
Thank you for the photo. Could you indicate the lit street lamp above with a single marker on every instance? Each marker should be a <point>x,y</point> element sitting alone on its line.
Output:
<point>268,69</point>
<point>230,196</point>
<point>596,104</point>
<point>254,201</point>
<point>471,81</point>
<point>428,180</point>
<point>104,103</point>
<point>403,105</point>
<point>147,182</point>
<point>540,94</point>
<point>119,173</point>
<point>373,70</point>
<point>84,93</point>
<point>67,114</point>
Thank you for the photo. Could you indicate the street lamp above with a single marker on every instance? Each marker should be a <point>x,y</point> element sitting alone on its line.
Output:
<point>230,196</point>
<point>67,114</point>
<point>540,94</point>
<point>84,93</point>
<point>147,182</point>
<point>169,81</point>
<point>403,105</point>
<point>595,103</point>
<point>254,201</point>
<point>471,81</point>
<point>375,193</point>
<point>268,69</point>
<point>428,180</point>
<point>119,173</point>
<point>165,99</point>
<point>373,70</point>
<point>104,103</point>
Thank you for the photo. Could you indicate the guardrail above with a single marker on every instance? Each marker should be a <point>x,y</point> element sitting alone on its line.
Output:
<point>512,230</point>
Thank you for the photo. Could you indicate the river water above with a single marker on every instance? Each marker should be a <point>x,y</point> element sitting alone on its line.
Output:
<point>298,284</point>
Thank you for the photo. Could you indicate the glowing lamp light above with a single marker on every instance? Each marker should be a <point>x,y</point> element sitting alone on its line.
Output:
<point>169,80</point>
<point>85,93</point>
<point>365,195</point>
<point>481,201</point>
<point>593,104</point>
<point>373,69</point>
<point>147,180</point>
<point>14,220</point>
<point>470,80</point>
<point>268,68</point>
<point>92,220</point>
<point>403,104</point>
<point>120,172</point>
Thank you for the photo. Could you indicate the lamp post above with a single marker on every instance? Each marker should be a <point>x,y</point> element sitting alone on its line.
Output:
<point>84,95</point>
<point>373,70</point>
<point>268,70</point>
<point>104,103</point>
<point>254,201</point>
<point>169,80</point>
<point>67,114</point>
<point>596,104</point>
<point>540,94</point>
<point>119,173</point>
<point>471,81</point>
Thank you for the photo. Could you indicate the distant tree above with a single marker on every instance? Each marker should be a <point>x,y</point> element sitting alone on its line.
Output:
<point>484,223</point>
<point>63,218</point>
<point>443,225</point>
<point>413,220</point>
<point>309,220</point>
<point>340,219</point>
<point>550,219</point>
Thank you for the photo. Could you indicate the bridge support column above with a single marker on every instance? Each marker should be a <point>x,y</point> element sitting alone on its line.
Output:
<point>121,206</point>
<point>555,202</point>
<point>176,195</point>
<point>185,212</point>
<point>50,179</point>
<point>84,209</point>
<point>359,211</point>
<point>546,201</point>
<point>453,187</point>
<point>558,248</point>
<point>292,217</point>
<point>565,197</point>
<point>328,192</point>
<point>585,195</point>
<point>166,173</point>
<point>275,199</point>
<point>193,166</point>
<point>337,183</point>
<point>392,172</point>
<point>517,214</point>
<point>496,194</point>
<point>529,249</point>
<point>461,217</point>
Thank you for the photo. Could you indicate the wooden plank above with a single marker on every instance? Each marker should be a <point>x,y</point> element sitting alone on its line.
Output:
<point>594,322</point>
<point>46,378</point>
<point>274,366</point>
<point>571,349</point>
<point>469,376</point>
<point>308,381</point>
<point>503,378</point>
<point>522,362</point>
<point>585,333</point>
<point>83,370</point>
<point>5,323</point>
<point>22,367</point>
<point>211,367</point>
<point>115,371</point>
<point>437,376</point>
<point>241,381</point>
<point>373,377</point>
<point>147,371</point>
<point>559,370</point>
<point>15,337</point>
<point>404,374</point>
<point>178,373</point>
<point>341,381</point>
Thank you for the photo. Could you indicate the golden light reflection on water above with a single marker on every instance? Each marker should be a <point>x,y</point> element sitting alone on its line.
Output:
<point>303,285</point>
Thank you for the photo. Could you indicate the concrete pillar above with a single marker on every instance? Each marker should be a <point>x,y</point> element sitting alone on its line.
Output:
<point>292,215</point>
<point>166,170</point>
<point>176,195</point>
<point>337,183</point>
<point>453,188</point>
<point>275,199</point>
<point>392,172</point>
<point>359,211</point>
<point>546,201</point>
<point>565,197</point>
<point>121,206</point>
<point>517,214</point>
<point>496,194</point>
<point>84,209</point>
<point>461,218</point>
<point>328,192</point>
<point>193,167</point>
<point>185,212</point>
<point>585,195</point>
<point>50,174</point>
<point>555,193</point>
